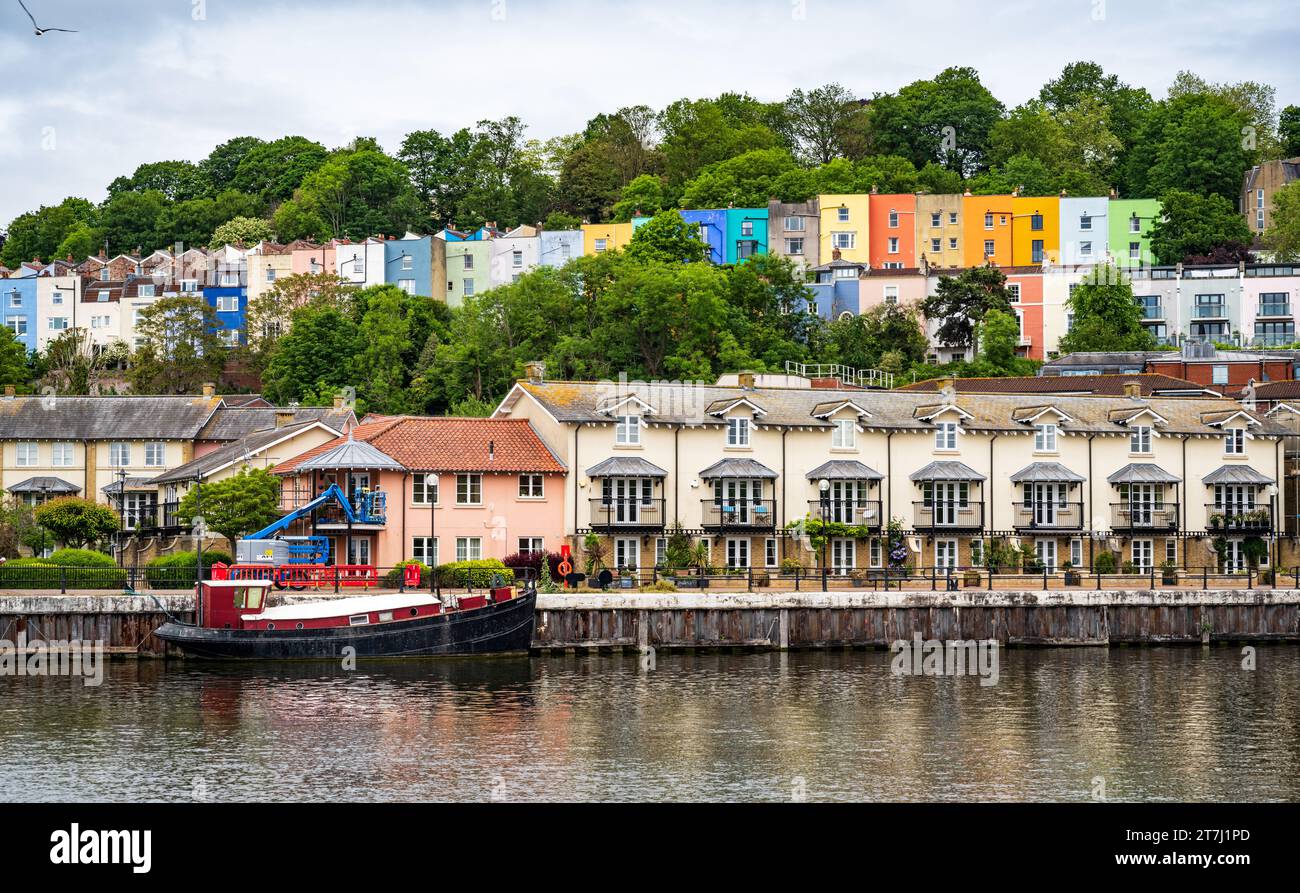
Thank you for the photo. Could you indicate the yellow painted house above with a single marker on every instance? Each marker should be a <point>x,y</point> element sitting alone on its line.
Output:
<point>597,238</point>
<point>1035,230</point>
<point>845,225</point>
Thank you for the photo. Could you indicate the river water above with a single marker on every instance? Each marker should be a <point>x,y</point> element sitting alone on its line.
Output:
<point>1170,723</point>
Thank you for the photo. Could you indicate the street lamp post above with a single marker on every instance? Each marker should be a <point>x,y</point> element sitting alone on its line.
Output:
<point>198,530</point>
<point>824,486</point>
<point>121,514</point>
<point>45,497</point>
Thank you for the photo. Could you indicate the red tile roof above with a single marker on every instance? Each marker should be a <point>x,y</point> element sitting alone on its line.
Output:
<point>448,445</point>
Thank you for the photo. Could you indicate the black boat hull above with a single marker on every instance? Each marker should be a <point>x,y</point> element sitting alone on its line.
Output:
<point>498,628</point>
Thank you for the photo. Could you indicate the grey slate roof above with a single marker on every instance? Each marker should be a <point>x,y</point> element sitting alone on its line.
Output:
<point>845,470</point>
<point>683,404</point>
<point>44,485</point>
<point>737,468</point>
<point>104,418</point>
<point>1143,473</point>
<point>132,483</point>
<point>947,471</point>
<point>1237,474</point>
<point>231,452</point>
<point>626,466</point>
<point>352,454</point>
<point>232,423</point>
<point>1046,473</point>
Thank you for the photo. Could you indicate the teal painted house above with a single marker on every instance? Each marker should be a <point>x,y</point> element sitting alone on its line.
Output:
<point>746,233</point>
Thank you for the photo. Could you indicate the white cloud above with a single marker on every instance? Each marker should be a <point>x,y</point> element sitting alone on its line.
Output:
<point>149,83</point>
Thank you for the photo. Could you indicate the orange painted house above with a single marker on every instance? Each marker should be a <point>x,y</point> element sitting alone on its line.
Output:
<point>1027,284</point>
<point>455,489</point>
<point>986,229</point>
<point>892,232</point>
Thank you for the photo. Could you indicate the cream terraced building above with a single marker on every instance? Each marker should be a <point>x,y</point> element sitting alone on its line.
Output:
<point>737,463</point>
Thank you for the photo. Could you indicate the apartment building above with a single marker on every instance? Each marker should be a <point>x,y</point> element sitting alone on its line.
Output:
<point>1148,479</point>
<point>1258,187</point>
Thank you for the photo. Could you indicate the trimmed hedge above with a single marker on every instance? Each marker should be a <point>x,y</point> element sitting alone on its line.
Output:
<point>44,573</point>
<point>81,558</point>
<point>459,574</point>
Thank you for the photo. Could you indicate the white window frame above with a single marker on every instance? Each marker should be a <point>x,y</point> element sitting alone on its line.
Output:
<point>738,432</point>
<point>945,436</point>
<point>627,430</point>
<point>771,552</point>
<point>469,548</point>
<point>845,434</point>
<point>61,454</point>
<point>470,487</point>
<point>158,449</point>
<point>844,241</point>
<point>425,549</point>
<point>1139,440</point>
<point>532,486</point>
<point>1045,438</point>
<point>119,454</point>
<point>28,454</point>
<point>421,483</point>
<point>1234,442</point>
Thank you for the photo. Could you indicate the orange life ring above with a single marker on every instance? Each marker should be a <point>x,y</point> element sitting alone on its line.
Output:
<point>565,568</point>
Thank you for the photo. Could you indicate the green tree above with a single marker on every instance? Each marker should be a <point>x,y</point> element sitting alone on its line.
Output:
<point>698,133</point>
<point>384,336</point>
<point>745,181</point>
<point>590,182</point>
<point>667,238</point>
<point>999,336</point>
<point>248,230</point>
<point>75,365</point>
<point>359,193</point>
<point>961,302</point>
<point>130,220</point>
<point>14,369</point>
<point>40,233</point>
<point>1193,225</point>
<point>818,118</point>
<point>1192,142</point>
<point>1283,234</point>
<point>179,348</point>
<point>76,522</point>
<point>945,120</point>
<point>240,504</point>
<point>316,356</point>
<point>647,194</point>
<point>1288,131</point>
<point>222,162</point>
<point>272,171</point>
<point>865,341</point>
<point>1106,315</point>
<point>177,181</point>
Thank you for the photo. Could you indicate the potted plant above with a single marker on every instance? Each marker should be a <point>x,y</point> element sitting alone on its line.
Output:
<point>1216,520</point>
<point>1128,567</point>
<point>626,577</point>
<point>1169,573</point>
<point>1072,577</point>
<point>1029,561</point>
<point>1104,563</point>
<point>971,578</point>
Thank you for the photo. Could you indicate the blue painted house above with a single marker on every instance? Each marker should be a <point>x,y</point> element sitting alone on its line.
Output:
<point>231,304</point>
<point>836,297</point>
<point>746,233</point>
<point>19,298</point>
<point>559,246</point>
<point>713,231</point>
<point>409,263</point>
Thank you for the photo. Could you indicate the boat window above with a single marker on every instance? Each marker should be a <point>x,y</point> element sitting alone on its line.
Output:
<point>359,620</point>
<point>253,598</point>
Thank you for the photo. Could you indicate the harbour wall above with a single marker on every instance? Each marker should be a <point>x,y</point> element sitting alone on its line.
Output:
<point>768,620</point>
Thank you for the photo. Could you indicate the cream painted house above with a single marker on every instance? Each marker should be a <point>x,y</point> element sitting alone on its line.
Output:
<point>1151,480</point>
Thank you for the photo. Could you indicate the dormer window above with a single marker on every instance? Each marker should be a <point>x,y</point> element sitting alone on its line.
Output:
<point>844,436</point>
<point>1234,442</point>
<point>945,436</point>
<point>737,432</point>
<point>1045,438</point>
<point>627,431</point>
<point>1139,439</point>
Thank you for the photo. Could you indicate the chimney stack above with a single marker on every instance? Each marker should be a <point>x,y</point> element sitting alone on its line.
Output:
<point>338,401</point>
<point>1133,390</point>
<point>209,390</point>
<point>747,381</point>
<point>9,391</point>
<point>284,417</point>
<point>535,371</point>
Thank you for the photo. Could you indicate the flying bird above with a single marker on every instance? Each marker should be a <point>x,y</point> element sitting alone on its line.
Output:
<point>39,29</point>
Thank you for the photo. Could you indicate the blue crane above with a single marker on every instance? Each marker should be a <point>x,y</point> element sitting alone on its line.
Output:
<point>268,545</point>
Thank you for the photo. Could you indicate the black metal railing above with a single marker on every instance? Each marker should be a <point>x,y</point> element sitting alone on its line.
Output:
<point>627,513</point>
<point>944,515</point>
<point>862,512</point>
<point>1228,517</point>
<point>752,514</point>
<point>1048,516</point>
<point>1138,516</point>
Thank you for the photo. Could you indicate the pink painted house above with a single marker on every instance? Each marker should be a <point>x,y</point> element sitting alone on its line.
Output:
<point>455,489</point>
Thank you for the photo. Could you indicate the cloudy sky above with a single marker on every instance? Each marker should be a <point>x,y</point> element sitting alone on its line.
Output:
<point>148,80</point>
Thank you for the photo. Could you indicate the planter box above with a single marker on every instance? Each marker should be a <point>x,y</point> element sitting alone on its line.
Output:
<point>1073,579</point>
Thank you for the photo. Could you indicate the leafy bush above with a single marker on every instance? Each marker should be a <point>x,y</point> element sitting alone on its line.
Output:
<point>71,519</point>
<point>177,569</point>
<point>533,561</point>
<point>660,586</point>
<point>459,574</point>
<point>1104,563</point>
<point>81,558</point>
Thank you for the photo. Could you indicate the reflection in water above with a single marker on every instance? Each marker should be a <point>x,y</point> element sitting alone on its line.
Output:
<point>1158,723</point>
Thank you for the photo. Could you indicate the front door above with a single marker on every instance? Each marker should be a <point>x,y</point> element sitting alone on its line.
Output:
<point>738,553</point>
<point>945,554</point>
<point>1045,550</point>
<point>359,550</point>
<point>1142,552</point>
<point>842,555</point>
<point>1234,558</point>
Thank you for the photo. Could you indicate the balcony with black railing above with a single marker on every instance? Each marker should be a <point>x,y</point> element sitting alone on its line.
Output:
<point>1244,518</point>
<point>626,513</point>
<point>1148,517</point>
<point>738,514</point>
<point>941,515</point>
<point>859,512</point>
<point>1048,516</point>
